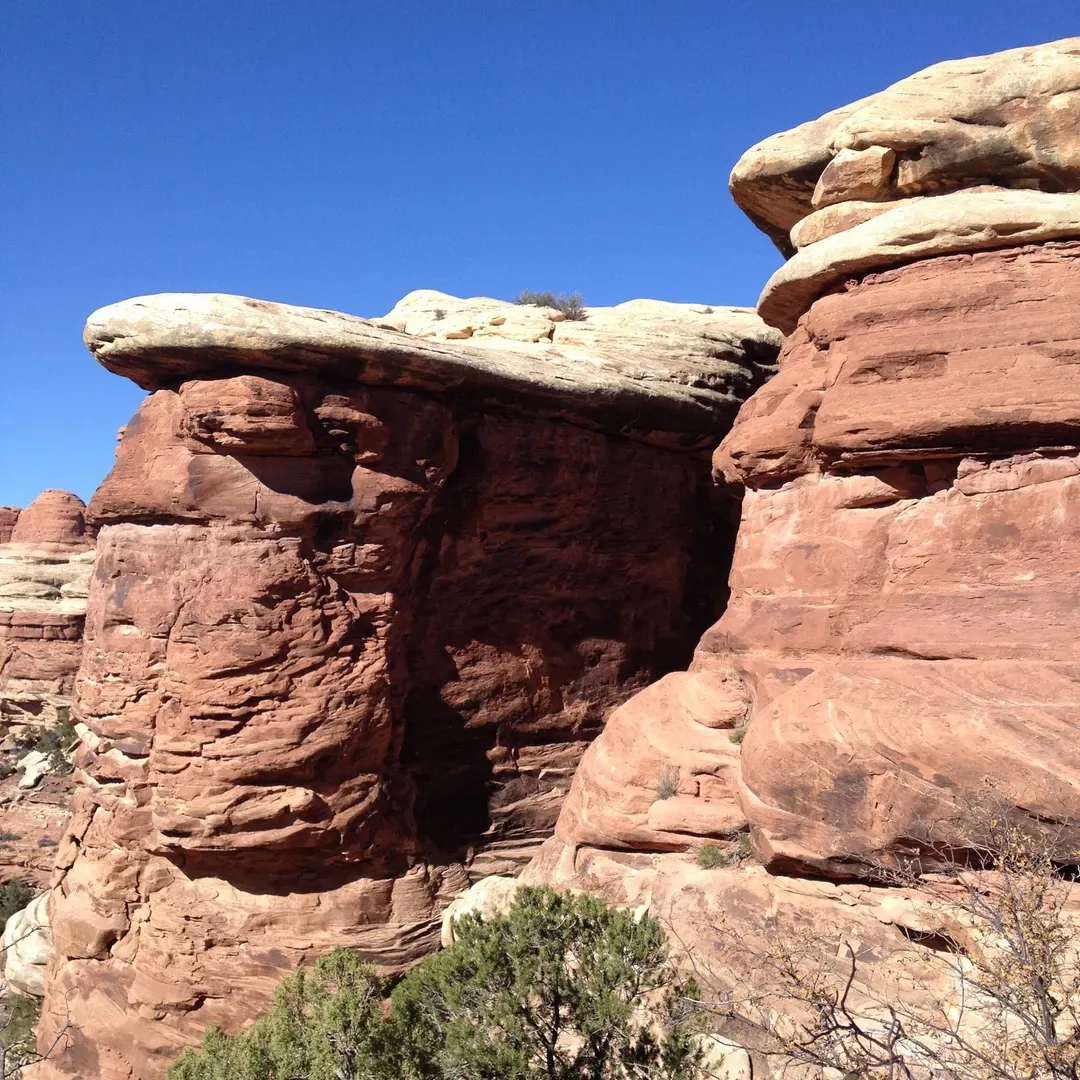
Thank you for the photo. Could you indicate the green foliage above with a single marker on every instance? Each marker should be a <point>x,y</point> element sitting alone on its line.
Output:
<point>323,1024</point>
<point>561,988</point>
<point>553,990</point>
<point>712,856</point>
<point>709,857</point>
<point>737,735</point>
<point>18,1027</point>
<point>14,896</point>
<point>572,306</point>
<point>55,740</point>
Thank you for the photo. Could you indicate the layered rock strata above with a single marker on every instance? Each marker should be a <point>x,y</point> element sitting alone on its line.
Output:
<point>361,598</point>
<point>46,555</point>
<point>903,618</point>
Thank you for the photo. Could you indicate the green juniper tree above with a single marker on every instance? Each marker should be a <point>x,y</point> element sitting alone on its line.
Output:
<point>561,988</point>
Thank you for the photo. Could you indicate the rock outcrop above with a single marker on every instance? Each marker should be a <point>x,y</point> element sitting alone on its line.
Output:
<point>46,555</point>
<point>361,598</point>
<point>903,618</point>
<point>27,944</point>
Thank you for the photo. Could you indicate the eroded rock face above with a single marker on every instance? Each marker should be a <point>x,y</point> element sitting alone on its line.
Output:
<point>903,617</point>
<point>360,601</point>
<point>46,555</point>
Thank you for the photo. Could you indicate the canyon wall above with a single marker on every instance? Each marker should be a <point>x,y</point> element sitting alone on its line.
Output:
<point>904,614</point>
<point>363,593</point>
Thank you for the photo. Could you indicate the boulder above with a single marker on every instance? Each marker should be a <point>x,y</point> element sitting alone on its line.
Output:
<point>361,599</point>
<point>487,898</point>
<point>27,944</point>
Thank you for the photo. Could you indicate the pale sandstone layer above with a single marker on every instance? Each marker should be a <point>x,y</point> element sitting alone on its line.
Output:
<point>360,601</point>
<point>45,565</point>
<point>1007,119</point>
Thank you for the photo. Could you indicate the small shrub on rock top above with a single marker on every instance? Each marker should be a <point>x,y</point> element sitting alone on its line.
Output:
<point>572,306</point>
<point>712,856</point>
<point>737,735</point>
<point>562,987</point>
<point>55,741</point>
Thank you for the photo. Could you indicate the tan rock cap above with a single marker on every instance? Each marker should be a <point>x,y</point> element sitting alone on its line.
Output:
<point>671,374</point>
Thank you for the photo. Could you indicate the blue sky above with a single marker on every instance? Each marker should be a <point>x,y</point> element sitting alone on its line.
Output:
<point>340,154</point>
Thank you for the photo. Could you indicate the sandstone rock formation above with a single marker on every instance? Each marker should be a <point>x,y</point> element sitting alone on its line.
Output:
<point>903,618</point>
<point>361,598</point>
<point>46,555</point>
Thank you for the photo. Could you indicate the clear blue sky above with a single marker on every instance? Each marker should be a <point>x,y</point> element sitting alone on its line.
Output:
<point>340,154</point>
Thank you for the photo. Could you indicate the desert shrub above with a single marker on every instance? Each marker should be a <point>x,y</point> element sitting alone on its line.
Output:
<point>440,314</point>
<point>54,742</point>
<point>667,781</point>
<point>323,1024</point>
<point>737,735</point>
<point>1005,941</point>
<point>709,857</point>
<point>554,990</point>
<point>14,896</point>
<point>6,835</point>
<point>572,306</point>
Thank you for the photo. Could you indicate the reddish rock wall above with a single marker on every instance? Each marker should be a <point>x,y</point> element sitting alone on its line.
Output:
<point>346,642</point>
<point>903,619</point>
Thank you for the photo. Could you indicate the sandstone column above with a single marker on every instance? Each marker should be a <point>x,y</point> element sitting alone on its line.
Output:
<point>362,595</point>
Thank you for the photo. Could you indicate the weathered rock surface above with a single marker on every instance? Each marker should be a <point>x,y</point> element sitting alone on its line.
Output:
<point>27,944</point>
<point>902,624</point>
<point>912,229</point>
<point>1007,119</point>
<point>360,601</point>
<point>45,565</point>
<point>487,898</point>
<point>624,375</point>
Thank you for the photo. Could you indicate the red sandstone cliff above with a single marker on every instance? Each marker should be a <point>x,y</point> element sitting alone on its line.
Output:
<point>361,598</point>
<point>903,618</point>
